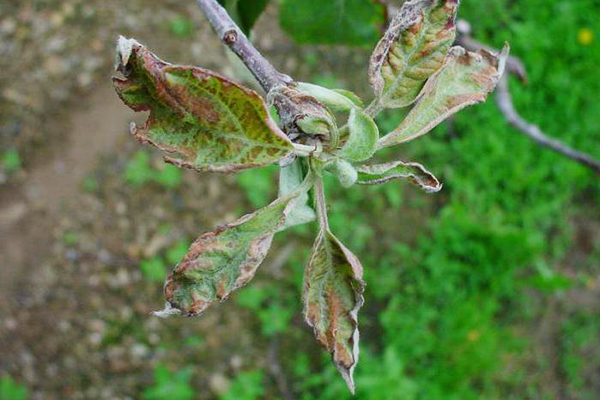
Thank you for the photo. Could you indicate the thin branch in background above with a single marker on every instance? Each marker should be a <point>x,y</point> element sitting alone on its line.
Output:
<point>231,35</point>
<point>504,101</point>
<point>515,67</point>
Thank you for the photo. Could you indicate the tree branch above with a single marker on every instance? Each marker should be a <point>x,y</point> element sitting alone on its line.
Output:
<point>505,104</point>
<point>232,36</point>
<point>507,108</point>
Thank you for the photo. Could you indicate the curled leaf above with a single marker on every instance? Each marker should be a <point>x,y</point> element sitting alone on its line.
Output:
<point>363,137</point>
<point>331,98</point>
<point>382,173</point>
<point>465,79</point>
<point>304,113</point>
<point>224,260</point>
<point>210,122</point>
<point>290,179</point>
<point>412,49</point>
<point>332,295</point>
<point>344,171</point>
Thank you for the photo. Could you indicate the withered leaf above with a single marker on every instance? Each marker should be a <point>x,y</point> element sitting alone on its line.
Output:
<point>221,261</point>
<point>332,295</point>
<point>208,121</point>
<point>412,49</point>
<point>382,173</point>
<point>465,79</point>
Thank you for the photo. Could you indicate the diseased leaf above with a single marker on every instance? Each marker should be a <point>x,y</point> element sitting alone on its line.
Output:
<point>345,22</point>
<point>332,295</point>
<point>412,49</point>
<point>363,137</point>
<point>331,98</point>
<point>224,260</point>
<point>382,173</point>
<point>304,112</point>
<point>465,79</point>
<point>210,122</point>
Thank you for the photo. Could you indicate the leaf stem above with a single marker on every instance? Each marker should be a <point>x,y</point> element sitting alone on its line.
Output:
<point>320,203</point>
<point>374,108</point>
<point>232,36</point>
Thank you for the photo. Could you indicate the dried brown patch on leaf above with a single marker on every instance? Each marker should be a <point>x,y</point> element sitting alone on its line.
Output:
<point>465,79</point>
<point>412,49</point>
<point>332,295</point>
<point>208,121</point>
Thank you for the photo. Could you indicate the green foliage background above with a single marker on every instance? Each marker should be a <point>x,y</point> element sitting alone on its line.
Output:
<point>457,282</point>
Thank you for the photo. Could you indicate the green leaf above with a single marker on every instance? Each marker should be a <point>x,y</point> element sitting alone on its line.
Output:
<point>224,260</point>
<point>332,295</point>
<point>210,122</point>
<point>465,79</point>
<point>344,171</point>
<point>249,11</point>
<point>333,99</point>
<point>346,22</point>
<point>382,173</point>
<point>290,179</point>
<point>412,49</point>
<point>352,96</point>
<point>362,141</point>
<point>245,12</point>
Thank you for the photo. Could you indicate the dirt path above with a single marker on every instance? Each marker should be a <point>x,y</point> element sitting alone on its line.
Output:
<point>27,211</point>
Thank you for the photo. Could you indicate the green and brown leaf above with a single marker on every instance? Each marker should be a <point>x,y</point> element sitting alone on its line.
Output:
<point>465,79</point>
<point>332,295</point>
<point>210,122</point>
<point>224,260</point>
<point>382,173</point>
<point>412,49</point>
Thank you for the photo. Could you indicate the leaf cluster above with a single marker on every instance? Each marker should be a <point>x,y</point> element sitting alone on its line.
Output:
<point>207,122</point>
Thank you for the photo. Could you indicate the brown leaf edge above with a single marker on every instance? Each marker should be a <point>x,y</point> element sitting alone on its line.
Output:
<point>130,49</point>
<point>409,14</point>
<point>344,366</point>
<point>496,61</point>
<point>256,254</point>
<point>415,172</point>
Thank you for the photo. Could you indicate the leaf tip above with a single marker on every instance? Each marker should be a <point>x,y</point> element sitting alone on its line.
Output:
<point>124,49</point>
<point>167,311</point>
<point>348,375</point>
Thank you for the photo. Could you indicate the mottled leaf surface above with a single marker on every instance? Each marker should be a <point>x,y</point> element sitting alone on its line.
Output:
<point>465,79</point>
<point>224,260</point>
<point>362,139</point>
<point>382,173</point>
<point>412,49</point>
<point>210,122</point>
<point>345,22</point>
<point>332,296</point>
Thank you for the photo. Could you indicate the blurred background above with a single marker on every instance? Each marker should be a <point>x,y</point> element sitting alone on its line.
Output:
<point>488,290</point>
